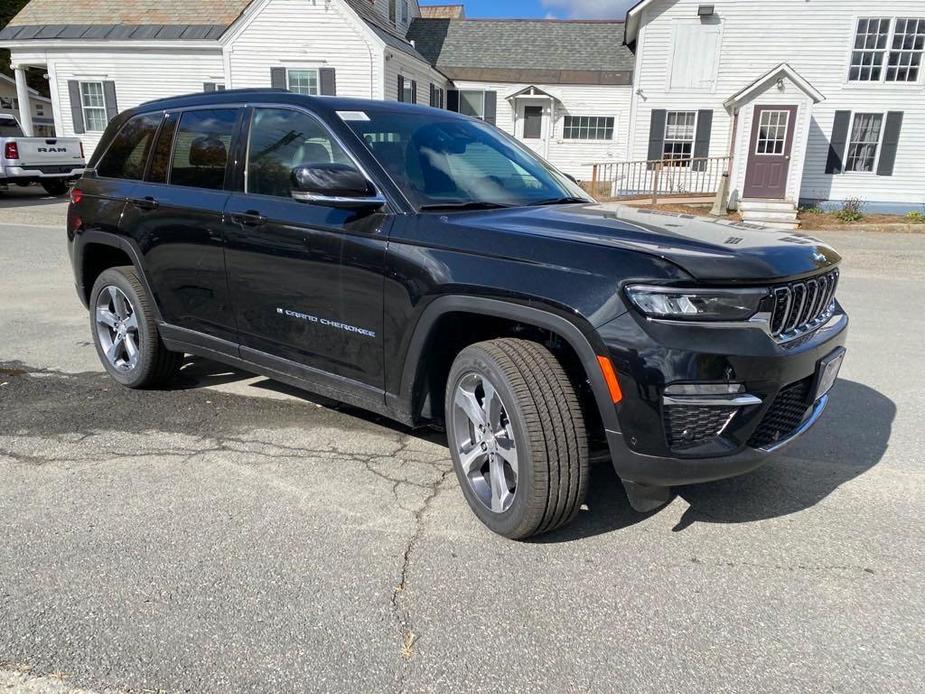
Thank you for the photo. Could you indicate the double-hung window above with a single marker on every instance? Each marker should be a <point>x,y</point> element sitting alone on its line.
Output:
<point>887,49</point>
<point>588,128</point>
<point>472,103</point>
<point>302,81</point>
<point>864,144</point>
<point>93,104</point>
<point>680,128</point>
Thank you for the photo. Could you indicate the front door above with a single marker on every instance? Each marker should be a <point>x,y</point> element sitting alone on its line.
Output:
<point>533,130</point>
<point>306,278</point>
<point>769,152</point>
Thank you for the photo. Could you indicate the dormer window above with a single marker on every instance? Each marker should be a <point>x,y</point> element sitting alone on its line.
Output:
<point>887,50</point>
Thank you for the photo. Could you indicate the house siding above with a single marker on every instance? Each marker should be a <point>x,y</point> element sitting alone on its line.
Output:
<point>574,157</point>
<point>815,39</point>
<point>294,33</point>
<point>397,63</point>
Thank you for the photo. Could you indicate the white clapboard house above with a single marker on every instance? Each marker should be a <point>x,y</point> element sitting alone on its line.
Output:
<point>796,100</point>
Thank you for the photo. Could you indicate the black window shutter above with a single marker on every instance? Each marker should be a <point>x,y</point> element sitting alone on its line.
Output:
<point>657,135</point>
<point>77,113</point>
<point>491,107</point>
<point>328,79</point>
<point>208,86</point>
<point>278,78</point>
<point>401,87</point>
<point>414,91</point>
<point>112,105</point>
<point>702,140</point>
<point>452,100</point>
<point>433,95</point>
<point>838,143</point>
<point>894,124</point>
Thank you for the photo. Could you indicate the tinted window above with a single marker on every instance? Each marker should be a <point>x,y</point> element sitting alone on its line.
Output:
<point>160,161</point>
<point>203,142</point>
<point>9,128</point>
<point>458,161</point>
<point>128,153</point>
<point>281,140</point>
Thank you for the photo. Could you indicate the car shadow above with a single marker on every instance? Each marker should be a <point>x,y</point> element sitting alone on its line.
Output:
<point>27,196</point>
<point>849,440</point>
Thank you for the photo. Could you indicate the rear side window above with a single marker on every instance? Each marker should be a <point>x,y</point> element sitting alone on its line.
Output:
<point>203,142</point>
<point>127,156</point>
<point>160,161</point>
<point>281,140</point>
<point>9,128</point>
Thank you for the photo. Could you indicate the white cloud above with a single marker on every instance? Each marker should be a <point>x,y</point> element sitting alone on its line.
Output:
<point>590,9</point>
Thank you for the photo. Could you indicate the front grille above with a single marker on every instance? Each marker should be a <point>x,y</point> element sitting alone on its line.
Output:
<point>801,306</point>
<point>689,426</point>
<point>785,414</point>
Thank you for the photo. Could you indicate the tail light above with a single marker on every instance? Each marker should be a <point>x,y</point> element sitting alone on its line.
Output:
<point>11,151</point>
<point>76,195</point>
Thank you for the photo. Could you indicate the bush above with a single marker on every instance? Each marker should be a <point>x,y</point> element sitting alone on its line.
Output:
<point>851,210</point>
<point>915,218</point>
<point>812,210</point>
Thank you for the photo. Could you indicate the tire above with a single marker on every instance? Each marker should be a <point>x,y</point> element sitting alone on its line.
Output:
<point>540,413</point>
<point>55,187</point>
<point>120,305</point>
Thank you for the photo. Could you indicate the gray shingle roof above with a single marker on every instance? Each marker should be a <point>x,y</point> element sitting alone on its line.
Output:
<point>572,49</point>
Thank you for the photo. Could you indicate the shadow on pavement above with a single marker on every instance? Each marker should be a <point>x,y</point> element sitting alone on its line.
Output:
<point>29,196</point>
<point>850,439</point>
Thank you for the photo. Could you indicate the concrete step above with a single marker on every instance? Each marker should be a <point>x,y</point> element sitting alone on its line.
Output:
<point>769,215</point>
<point>759,204</point>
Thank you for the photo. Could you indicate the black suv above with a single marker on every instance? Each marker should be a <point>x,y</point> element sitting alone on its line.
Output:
<point>426,266</point>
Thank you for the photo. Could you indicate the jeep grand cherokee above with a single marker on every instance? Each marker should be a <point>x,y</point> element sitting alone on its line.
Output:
<point>426,266</point>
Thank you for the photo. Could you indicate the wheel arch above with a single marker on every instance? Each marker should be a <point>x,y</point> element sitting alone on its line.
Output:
<point>96,251</point>
<point>581,341</point>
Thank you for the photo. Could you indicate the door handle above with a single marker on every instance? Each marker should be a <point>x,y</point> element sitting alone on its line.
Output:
<point>251,218</point>
<point>145,203</point>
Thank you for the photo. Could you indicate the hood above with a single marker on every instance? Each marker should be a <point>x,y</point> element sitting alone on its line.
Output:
<point>705,249</point>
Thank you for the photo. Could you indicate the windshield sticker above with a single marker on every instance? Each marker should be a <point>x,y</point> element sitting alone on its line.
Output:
<point>352,115</point>
<point>325,322</point>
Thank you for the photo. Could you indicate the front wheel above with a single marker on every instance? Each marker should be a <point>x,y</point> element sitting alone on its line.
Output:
<point>517,437</point>
<point>55,187</point>
<point>125,332</point>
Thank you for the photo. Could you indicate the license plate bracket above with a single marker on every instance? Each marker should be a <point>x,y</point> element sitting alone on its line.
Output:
<point>827,372</point>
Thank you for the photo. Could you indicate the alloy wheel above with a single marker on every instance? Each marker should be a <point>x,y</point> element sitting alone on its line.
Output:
<point>484,440</point>
<point>117,328</point>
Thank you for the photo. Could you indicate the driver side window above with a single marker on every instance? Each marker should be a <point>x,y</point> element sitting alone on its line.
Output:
<point>281,140</point>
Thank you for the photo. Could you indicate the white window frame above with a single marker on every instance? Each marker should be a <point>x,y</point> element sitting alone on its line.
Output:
<point>481,93</point>
<point>84,108</point>
<point>787,126</point>
<point>409,87</point>
<point>882,80</point>
<point>849,140</point>
<point>290,70</point>
<point>585,139</point>
<point>679,161</point>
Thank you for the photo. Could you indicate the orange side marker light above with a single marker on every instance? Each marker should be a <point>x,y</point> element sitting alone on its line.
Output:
<point>610,378</point>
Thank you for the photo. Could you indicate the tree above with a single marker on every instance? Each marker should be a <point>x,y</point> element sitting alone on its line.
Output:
<point>8,10</point>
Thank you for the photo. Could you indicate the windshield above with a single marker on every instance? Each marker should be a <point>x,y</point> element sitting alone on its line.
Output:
<point>453,162</point>
<point>9,128</point>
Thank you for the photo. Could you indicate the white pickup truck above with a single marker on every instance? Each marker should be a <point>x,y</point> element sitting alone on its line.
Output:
<point>52,161</point>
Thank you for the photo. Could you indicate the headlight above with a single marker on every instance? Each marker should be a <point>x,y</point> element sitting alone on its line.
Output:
<point>697,304</point>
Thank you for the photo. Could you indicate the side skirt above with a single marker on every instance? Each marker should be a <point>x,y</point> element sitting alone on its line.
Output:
<point>327,385</point>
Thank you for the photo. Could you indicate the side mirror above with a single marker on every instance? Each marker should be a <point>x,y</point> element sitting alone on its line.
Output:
<point>336,185</point>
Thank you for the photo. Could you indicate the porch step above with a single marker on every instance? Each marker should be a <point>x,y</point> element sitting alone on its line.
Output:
<point>789,226</point>
<point>769,205</point>
<point>769,216</point>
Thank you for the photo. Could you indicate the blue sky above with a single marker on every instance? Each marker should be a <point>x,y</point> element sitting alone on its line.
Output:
<point>561,9</point>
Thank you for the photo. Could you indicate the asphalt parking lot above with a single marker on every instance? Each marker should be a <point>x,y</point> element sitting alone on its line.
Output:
<point>231,534</point>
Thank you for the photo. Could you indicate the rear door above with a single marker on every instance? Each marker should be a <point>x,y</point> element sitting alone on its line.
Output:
<point>306,278</point>
<point>175,217</point>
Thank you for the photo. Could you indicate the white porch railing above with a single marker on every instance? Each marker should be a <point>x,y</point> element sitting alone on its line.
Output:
<point>658,179</point>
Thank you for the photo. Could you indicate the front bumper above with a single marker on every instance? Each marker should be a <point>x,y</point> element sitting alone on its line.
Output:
<point>646,449</point>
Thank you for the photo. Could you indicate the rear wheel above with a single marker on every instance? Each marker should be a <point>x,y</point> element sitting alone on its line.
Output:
<point>125,332</point>
<point>517,437</point>
<point>55,187</point>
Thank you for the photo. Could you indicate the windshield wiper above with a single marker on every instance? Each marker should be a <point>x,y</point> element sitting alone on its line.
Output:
<point>469,205</point>
<point>567,200</point>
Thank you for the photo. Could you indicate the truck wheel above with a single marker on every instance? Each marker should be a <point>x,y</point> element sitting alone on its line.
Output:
<point>517,437</point>
<point>125,333</point>
<point>55,188</point>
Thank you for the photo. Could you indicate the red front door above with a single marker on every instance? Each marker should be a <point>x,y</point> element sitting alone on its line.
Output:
<point>769,152</point>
